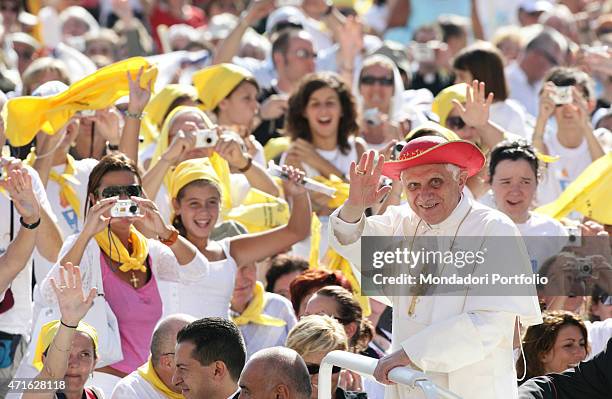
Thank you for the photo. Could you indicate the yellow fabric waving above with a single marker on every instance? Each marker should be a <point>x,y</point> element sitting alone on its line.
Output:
<point>222,168</point>
<point>215,82</point>
<point>68,194</point>
<point>157,108</point>
<point>25,116</point>
<point>147,372</point>
<point>49,330</point>
<point>275,147</point>
<point>254,311</point>
<point>342,190</point>
<point>118,253</point>
<point>315,241</point>
<point>589,194</point>
<point>335,261</point>
<point>259,211</point>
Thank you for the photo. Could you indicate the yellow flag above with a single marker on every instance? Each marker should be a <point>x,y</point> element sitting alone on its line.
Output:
<point>589,194</point>
<point>25,116</point>
<point>342,190</point>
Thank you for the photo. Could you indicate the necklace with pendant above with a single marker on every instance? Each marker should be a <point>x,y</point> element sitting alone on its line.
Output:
<point>415,298</point>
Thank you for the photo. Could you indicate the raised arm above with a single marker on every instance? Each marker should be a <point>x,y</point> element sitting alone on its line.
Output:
<point>73,307</point>
<point>19,187</point>
<point>230,46</point>
<point>255,247</point>
<point>139,97</point>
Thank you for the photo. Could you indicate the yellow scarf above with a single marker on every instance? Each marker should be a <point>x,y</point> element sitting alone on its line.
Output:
<point>118,253</point>
<point>315,241</point>
<point>254,311</point>
<point>147,372</point>
<point>25,116</point>
<point>68,194</point>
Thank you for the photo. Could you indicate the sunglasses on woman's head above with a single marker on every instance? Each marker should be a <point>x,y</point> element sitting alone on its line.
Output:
<point>371,80</point>
<point>455,123</point>
<point>133,190</point>
<point>314,369</point>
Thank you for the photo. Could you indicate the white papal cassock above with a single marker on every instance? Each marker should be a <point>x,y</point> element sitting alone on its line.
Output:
<point>462,343</point>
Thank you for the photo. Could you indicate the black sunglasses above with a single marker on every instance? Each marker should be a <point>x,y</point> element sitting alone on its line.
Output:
<point>314,369</point>
<point>371,80</point>
<point>455,123</point>
<point>133,190</point>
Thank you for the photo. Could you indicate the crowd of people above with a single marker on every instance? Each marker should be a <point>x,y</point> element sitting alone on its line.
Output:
<point>166,183</point>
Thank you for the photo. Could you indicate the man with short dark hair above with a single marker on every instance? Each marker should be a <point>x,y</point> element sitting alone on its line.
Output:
<point>209,357</point>
<point>290,379</point>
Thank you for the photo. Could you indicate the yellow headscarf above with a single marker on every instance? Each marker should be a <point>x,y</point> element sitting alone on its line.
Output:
<point>118,253</point>
<point>147,372</point>
<point>443,103</point>
<point>49,331</point>
<point>157,108</point>
<point>214,83</point>
<point>192,170</point>
<point>67,193</point>
<point>162,142</point>
<point>254,311</point>
<point>25,116</point>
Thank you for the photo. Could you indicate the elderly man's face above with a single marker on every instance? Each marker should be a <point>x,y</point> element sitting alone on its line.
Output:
<point>432,191</point>
<point>254,382</point>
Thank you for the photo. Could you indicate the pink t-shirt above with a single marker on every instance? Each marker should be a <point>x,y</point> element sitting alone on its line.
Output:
<point>137,312</point>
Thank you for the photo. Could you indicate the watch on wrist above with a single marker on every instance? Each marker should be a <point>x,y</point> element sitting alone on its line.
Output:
<point>172,239</point>
<point>31,226</point>
<point>248,165</point>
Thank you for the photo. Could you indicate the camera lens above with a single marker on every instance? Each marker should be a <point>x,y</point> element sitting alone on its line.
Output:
<point>585,268</point>
<point>134,209</point>
<point>572,238</point>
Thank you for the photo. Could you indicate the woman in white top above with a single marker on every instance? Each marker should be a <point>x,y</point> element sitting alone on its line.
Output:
<point>113,249</point>
<point>513,171</point>
<point>321,120</point>
<point>483,62</point>
<point>196,198</point>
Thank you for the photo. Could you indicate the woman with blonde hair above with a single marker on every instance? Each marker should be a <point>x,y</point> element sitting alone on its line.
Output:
<point>313,337</point>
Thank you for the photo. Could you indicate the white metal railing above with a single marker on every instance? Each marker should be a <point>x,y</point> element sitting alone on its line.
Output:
<point>365,365</point>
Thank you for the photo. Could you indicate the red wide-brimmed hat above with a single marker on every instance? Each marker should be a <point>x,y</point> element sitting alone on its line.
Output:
<point>436,150</point>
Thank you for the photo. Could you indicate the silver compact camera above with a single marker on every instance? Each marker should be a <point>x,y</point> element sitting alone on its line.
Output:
<point>562,95</point>
<point>206,138</point>
<point>87,113</point>
<point>372,117</point>
<point>583,268</point>
<point>124,209</point>
<point>423,52</point>
<point>574,236</point>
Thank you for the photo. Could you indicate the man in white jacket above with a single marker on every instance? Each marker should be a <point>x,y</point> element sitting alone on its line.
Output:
<point>462,343</point>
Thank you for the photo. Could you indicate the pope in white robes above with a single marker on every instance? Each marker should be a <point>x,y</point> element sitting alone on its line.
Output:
<point>462,343</point>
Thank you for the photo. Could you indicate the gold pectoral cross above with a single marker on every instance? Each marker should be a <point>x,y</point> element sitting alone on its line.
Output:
<point>134,280</point>
<point>412,307</point>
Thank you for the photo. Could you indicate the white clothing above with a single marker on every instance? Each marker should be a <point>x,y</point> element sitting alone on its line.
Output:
<point>551,238</point>
<point>599,332</point>
<point>209,295</point>
<point>257,336</point>
<point>18,319</point>
<point>510,116</point>
<point>528,95</point>
<point>461,343</point>
<point>335,157</point>
<point>164,266</point>
<point>571,163</point>
<point>133,386</point>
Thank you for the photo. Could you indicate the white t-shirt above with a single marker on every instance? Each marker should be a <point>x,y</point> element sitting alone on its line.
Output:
<point>599,333</point>
<point>335,157</point>
<point>549,237</point>
<point>571,163</point>
<point>207,296</point>
<point>133,386</point>
<point>511,117</point>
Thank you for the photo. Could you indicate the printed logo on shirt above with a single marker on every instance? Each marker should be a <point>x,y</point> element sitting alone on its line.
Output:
<point>72,219</point>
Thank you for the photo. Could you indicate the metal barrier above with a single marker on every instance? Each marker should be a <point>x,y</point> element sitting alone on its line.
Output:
<point>366,365</point>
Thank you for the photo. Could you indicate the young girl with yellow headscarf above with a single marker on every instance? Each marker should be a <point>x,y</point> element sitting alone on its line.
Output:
<point>177,143</point>
<point>115,251</point>
<point>264,318</point>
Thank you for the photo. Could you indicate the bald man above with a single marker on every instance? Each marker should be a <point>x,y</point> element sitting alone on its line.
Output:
<point>276,372</point>
<point>153,380</point>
